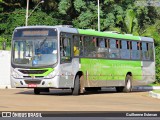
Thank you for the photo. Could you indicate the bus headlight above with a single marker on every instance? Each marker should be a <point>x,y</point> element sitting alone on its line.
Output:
<point>16,75</point>
<point>51,75</point>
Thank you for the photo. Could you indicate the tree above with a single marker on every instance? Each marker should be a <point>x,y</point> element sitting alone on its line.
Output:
<point>157,64</point>
<point>87,18</point>
<point>153,31</point>
<point>131,23</point>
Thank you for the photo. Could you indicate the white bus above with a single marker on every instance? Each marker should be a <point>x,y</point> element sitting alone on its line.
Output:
<point>45,57</point>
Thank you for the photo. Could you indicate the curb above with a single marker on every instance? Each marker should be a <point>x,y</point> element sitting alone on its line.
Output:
<point>5,87</point>
<point>151,93</point>
<point>146,87</point>
<point>154,95</point>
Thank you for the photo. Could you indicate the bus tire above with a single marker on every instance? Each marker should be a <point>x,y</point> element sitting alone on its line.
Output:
<point>128,85</point>
<point>76,89</point>
<point>36,91</point>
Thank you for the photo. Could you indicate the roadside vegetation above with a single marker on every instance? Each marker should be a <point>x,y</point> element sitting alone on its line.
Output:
<point>156,91</point>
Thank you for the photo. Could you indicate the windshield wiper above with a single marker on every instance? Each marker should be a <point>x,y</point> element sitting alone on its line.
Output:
<point>43,41</point>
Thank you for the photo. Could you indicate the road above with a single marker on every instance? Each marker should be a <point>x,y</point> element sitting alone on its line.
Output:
<point>61,100</point>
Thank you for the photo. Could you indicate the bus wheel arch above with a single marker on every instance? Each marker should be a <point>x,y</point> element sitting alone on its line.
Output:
<point>129,73</point>
<point>78,84</point>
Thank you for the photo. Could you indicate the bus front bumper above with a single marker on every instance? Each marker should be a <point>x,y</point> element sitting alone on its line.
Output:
<point>36,82</point>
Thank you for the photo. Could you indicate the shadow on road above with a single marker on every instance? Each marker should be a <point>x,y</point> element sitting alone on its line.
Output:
<point>67,92</point>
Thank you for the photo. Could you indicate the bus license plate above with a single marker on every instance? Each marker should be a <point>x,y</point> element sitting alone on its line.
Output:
<point>32,85</point>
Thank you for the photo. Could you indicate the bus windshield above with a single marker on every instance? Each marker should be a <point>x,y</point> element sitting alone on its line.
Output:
<point>34,51</point>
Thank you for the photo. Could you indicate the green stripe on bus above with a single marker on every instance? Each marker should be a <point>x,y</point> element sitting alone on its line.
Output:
<point>49,70</point>
<point>111,35</point>
<point>102,69</point>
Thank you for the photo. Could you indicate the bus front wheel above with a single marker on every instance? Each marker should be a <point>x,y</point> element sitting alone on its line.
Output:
<point>36,91</point>
<point>128,85</point>
<point>77,86</point>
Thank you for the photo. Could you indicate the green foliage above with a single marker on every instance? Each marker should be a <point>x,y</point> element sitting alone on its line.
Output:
<point>17,18</point>
<point>108,2</point>
<point>157,63</point>
<point>153,31</point>
<point>64,5</point>
<point>79,5</point>
<point>110,18</point>
<point>131,22</point>
<point>41,18</point>
<point>87,18</point>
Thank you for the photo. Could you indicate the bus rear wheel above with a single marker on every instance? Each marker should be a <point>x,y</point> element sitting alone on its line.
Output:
<point>128,85</point>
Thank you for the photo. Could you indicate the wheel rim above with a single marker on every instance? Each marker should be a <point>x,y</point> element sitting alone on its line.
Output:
<point>128,84</point>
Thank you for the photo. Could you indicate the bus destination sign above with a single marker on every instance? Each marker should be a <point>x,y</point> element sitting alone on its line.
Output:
<point>35,33</point>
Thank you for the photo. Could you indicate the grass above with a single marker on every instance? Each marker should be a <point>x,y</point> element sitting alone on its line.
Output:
<point>7,48</point>
<point>154,84</point>
<point>156,91</point>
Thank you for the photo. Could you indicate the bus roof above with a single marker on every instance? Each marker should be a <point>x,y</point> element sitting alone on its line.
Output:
<point>26,27</point>
<point>108,34</point>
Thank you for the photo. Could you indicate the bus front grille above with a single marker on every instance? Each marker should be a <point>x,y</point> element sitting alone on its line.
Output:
<point>32,82</point>
<point>33,71</point>
<point>31,76</point>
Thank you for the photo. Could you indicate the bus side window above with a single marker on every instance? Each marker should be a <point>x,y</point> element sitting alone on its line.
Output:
<point>65,49</point>
<point>76,44</point>
<point>114,48</point>
<point>102,50</point>
<point>101,43</point>
<point>78,49</point>
<point>90,46</point>
<point>81,46</point>
<point>135,53</point>
<point>145,52</point>
<point>150,49</point>
<point>124,51</point>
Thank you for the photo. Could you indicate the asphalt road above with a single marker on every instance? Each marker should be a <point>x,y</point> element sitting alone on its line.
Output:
<point>61,100</point>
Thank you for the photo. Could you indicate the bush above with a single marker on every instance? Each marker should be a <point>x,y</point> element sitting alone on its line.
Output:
<point>157,52</point>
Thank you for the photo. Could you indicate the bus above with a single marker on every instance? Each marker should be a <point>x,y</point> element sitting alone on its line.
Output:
<point>63,57</point>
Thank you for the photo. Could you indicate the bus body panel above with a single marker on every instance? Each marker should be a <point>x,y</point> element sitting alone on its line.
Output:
<point>148,67</point>
<point>68,72</point>
<point>109,72</point>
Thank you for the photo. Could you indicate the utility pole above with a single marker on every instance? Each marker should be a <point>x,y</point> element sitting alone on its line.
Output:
<point>27,12</point>
<point>98,17</point>
<point>27,16</point>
